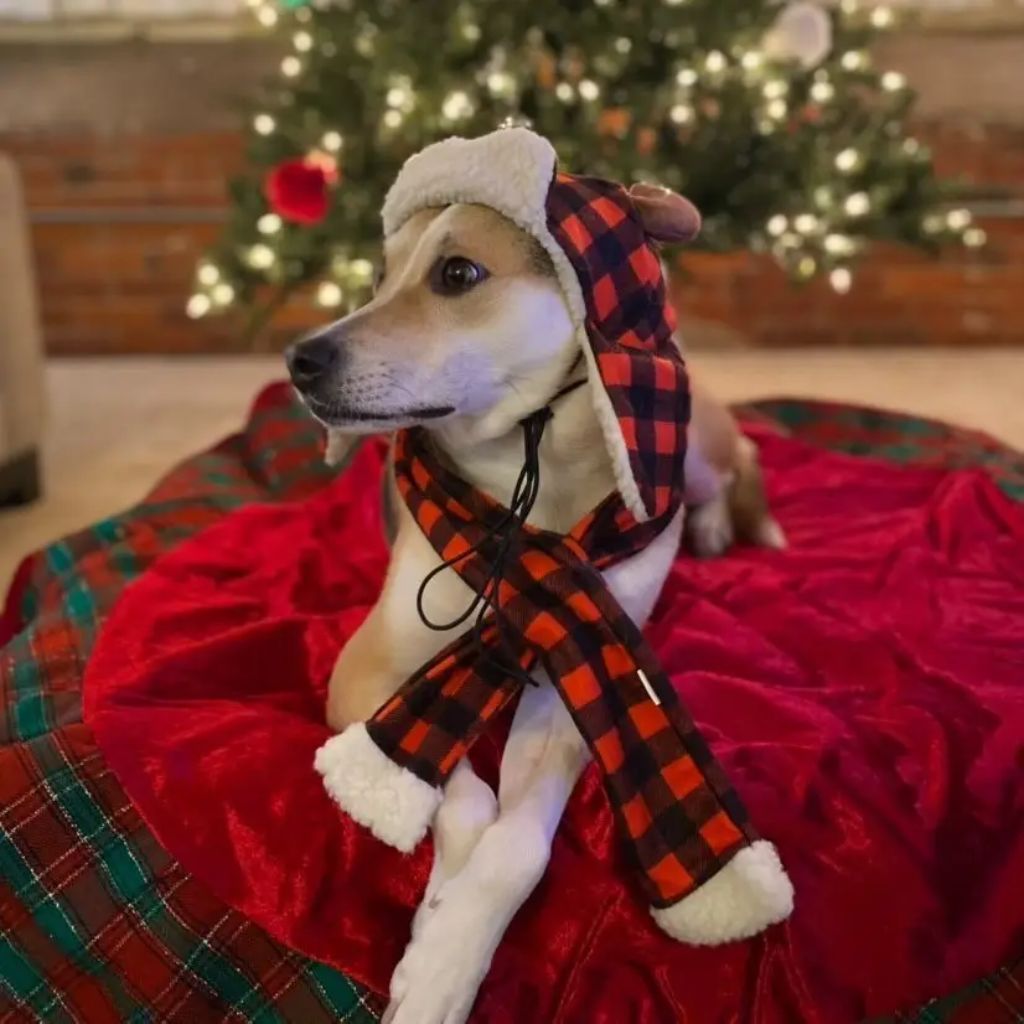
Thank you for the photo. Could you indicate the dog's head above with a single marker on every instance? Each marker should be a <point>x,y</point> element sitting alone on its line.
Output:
<point>468,322</point>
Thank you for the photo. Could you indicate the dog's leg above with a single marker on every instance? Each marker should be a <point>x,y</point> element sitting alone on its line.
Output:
<point>468,808</point>
<point>727,503</point>
<point>451,949</point>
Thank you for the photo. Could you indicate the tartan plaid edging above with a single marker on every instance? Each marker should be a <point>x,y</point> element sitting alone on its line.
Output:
<point>97,921</point>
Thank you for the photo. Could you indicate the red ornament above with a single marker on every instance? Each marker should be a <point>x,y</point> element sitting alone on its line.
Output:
<point>299,190</point>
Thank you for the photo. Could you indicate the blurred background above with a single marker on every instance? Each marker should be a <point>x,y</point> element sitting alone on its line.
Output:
<point>187,186</point>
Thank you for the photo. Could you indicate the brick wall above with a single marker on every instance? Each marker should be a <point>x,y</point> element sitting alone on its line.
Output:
<point>125,156</point>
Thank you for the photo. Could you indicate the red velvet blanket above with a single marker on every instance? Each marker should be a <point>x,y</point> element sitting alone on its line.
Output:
<point>864,689</point>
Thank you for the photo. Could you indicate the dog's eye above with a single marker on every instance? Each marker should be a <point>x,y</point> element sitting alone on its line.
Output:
<point>456,274</point>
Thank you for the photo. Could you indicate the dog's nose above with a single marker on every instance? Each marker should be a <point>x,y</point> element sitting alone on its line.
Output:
<point>311,360</point>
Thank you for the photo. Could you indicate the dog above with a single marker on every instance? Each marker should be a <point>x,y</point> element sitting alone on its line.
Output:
<point>468,332</point>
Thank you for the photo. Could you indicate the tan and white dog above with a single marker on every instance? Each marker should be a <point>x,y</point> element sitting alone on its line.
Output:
<point>469,332</point>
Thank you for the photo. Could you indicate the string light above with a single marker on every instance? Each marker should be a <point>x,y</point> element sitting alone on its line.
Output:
<point>471,32</point>
<point>933,224</point>
<point>752,60</point>
<point>849,6</point>
<point>715,61</point>
<point>261,257</point>
<point>681,113</point>
<point>500,83</point>
<point>911,147</point>
<point>958,219</point>
<point>822,92</point>
<point>332,142</point>
<point>975,238</point>
<point>397,97</point>
<point>223,293</point>
<point>777,109</point>
<point>302,41</point>
<point>267,17</point>
<point>291,66</point>
<point>589,89</point>
<point>268,224</point>
<point>400,94</point>
<point>854,60</point>
<point>775,89</point>
<point>687,77</point>
<point>847,160</point>
<point>881,17</point>
<point>673,3</point>
<point>839,245</point>
<point>857,204</point>
<point>366,42</point>
<point>361,270</point>
<point>329,294</point>
<point>777,225</point>
<point>807,266</point>
<point>264,124</point>
<point>823,196</point>
<point>841,279</point>
<point>197,306</point>
<point>457,106</point>
<point>564,91</point>
<point>623,45</point>
<point>806,223</point>
<point>208,274</point>
<point>893,81</point>
<point>392,119</point>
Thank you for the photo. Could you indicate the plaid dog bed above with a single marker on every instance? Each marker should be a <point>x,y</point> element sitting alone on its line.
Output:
<point>99,923</point>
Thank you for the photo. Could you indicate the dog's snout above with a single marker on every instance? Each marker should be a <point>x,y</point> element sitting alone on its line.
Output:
<point>310,361</point>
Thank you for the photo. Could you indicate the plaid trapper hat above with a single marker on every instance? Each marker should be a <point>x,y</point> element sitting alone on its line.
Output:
<point>680,820</point>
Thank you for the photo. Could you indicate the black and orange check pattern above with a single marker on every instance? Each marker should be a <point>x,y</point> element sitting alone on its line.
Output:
<point>681,819</point>
<point>629,326</point>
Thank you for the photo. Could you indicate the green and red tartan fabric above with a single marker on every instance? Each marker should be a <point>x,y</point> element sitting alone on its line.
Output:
<point>97,922</point>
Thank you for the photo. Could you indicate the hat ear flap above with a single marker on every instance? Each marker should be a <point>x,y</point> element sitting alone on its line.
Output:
<point>665,215</point>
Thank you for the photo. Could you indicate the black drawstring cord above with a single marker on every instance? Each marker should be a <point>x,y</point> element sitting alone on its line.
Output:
<point>506,532</point>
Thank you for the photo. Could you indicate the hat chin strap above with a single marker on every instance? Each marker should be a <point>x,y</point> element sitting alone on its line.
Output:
<point>524,497</point>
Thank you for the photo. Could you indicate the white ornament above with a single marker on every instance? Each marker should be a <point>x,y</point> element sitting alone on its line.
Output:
<point>802,32</point>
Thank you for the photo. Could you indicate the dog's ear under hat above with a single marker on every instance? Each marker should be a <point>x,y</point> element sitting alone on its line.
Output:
<point>666,215</point>
<point>601,240</point>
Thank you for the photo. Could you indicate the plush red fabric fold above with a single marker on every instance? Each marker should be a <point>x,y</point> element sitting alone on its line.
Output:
<point>864,690</point>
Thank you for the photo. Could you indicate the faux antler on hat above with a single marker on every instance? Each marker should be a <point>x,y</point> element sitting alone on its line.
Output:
<point>706,874</point>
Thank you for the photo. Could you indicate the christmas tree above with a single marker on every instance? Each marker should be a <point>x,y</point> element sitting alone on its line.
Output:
<point>769,116</point>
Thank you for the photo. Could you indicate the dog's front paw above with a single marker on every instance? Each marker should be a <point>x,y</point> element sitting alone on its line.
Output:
<point>437,979</point>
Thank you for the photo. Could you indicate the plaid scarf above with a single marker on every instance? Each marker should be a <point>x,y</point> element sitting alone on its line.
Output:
<point>680,818</point>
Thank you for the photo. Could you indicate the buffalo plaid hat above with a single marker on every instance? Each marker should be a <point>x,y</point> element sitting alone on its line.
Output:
<point>681,822</point>
<point>611,276</point>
